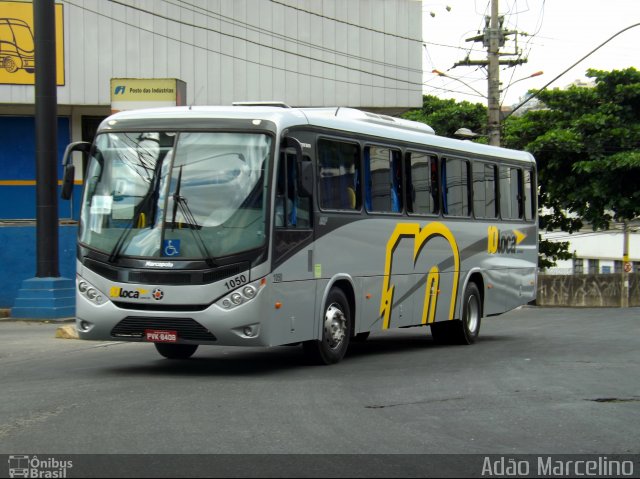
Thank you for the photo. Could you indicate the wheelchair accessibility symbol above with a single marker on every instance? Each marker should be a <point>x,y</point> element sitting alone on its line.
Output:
<point>171,247</point>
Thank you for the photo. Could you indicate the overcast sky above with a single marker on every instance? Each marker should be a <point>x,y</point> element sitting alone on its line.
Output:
<point>561,32</point>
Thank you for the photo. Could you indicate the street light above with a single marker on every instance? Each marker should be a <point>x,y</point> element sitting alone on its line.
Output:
<point>536,74</point>
<point>537,92</point>
<point>442,74</point>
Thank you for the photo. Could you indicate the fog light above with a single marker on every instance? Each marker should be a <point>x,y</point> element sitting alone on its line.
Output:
<point>248,331</point>
<point>84,326</point>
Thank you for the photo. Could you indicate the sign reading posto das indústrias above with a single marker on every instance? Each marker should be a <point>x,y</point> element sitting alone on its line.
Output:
<point>134,93</point>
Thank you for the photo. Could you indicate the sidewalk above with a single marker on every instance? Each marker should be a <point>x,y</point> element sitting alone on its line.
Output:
<point>66,328</point>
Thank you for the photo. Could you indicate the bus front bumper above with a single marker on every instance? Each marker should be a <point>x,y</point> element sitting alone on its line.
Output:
<point>239,326</point>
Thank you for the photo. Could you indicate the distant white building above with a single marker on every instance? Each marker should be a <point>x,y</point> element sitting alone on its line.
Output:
<point>597,252</point>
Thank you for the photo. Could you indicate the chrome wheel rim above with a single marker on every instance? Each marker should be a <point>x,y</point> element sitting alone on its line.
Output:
<point>335,326</point>
<point>473,314</point>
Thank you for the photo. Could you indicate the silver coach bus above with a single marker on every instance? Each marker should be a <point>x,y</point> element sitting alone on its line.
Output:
<point>264,225</point>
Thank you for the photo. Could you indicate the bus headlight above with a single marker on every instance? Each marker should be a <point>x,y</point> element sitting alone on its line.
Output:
<point>89,291</point>
<point>242,295</point>
<point>236,298</point>
<point>249,292</point>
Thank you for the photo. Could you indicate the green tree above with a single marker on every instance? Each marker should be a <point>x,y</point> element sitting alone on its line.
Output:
<point>587,147</point>
<point>447,116</point>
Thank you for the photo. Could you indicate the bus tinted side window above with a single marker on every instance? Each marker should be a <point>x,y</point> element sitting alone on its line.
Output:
<point>291,210</point>
<point>511,196</point>
<point>455,187</point>
<point>338,175</point>
<point>484,190</point>
<point>382,179</point>
<point>529,195</point>
<point>422,183</point>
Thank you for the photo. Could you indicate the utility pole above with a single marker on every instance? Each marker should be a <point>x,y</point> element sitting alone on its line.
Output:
<point>624,292</point>
<point>493,38</point>
<point>493,59</point>
<point>47,295</point>
<point>46,140</point>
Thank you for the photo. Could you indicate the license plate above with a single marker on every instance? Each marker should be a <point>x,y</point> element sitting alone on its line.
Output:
<point>160,336</point>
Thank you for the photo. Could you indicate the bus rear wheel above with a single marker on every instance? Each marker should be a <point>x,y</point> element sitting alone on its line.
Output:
<point>336,331</point>
<point>176,351</point>
<point>465,330</point>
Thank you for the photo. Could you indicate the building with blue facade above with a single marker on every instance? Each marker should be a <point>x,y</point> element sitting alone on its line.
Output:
<point>360,53</point>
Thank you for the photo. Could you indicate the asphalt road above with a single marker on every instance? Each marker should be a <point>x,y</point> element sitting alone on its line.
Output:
<point>538,381</point>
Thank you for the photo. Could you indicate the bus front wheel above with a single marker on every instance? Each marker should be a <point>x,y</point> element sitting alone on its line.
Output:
<point>336,330</point>
<point>176,351</point>
<point>465,330</point>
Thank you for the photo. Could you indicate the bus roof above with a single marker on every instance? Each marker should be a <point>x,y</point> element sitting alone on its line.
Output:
<point>339,119</point>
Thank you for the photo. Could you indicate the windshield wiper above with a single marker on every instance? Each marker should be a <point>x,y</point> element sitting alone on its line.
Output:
<point>181,202</point>
<point>152,194</point>
<point>135,218</point>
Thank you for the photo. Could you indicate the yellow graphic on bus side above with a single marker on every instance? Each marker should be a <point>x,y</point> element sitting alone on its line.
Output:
<point>421,238</point>
<point>501,242</point>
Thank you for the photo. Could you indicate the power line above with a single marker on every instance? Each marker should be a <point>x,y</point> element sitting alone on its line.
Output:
<point>537,92</point>
<point>282,50</point>
<point>254,62</point>
<point>347,23</point>
<point>264,31</point>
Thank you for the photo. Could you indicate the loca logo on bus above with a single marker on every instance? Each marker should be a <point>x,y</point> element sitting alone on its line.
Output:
<point>500,242</point>
<point>116,292</point>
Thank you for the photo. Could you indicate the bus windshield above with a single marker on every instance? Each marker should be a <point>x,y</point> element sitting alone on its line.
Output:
<point>192,195</point>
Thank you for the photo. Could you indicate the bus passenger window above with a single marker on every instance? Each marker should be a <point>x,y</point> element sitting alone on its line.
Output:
<point>484,190</point>
<point>382,180</point>
<point>422,183</point>
<point>455,187</point>
<point>529,195</point>
<point>338,175</point>
<point>511,193</point>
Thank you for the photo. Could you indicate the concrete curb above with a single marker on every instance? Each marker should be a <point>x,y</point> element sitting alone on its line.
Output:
<point>67,332</point>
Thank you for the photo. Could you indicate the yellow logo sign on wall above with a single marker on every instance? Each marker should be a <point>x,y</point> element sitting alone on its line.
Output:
<point>17,48</point>
<point>134,93</point>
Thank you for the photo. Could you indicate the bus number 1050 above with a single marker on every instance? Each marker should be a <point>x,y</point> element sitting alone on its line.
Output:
<point>235,282</point>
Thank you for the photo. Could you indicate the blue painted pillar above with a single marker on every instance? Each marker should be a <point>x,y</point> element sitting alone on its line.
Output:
<point>45,298</point>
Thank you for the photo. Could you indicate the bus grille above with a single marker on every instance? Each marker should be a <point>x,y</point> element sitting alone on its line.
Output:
<point>177,277</point>
<point>187,328</point>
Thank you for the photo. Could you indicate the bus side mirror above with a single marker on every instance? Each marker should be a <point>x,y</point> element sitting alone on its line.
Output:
<point>67,182</point>
<point>69,169</point>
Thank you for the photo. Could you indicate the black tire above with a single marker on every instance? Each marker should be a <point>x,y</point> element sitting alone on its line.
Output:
<point>336,330</point>
<point>465,330</point>
<point>176,351</point>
